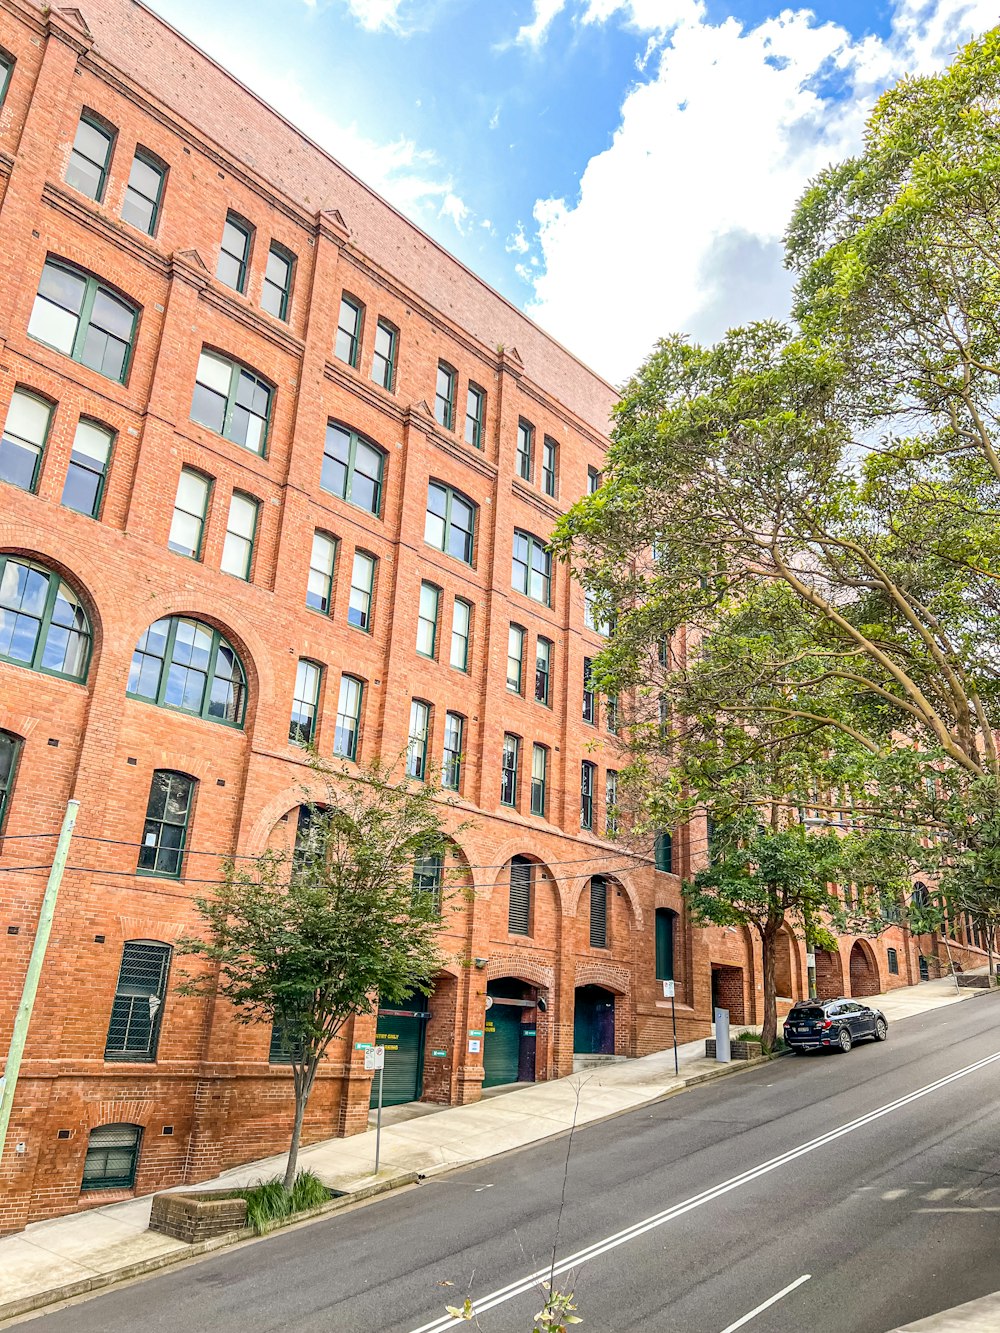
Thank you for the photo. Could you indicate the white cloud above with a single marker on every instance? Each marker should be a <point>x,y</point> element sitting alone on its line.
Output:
<point>517,242</point>
<point>678,224</point>
<point>375,15</point>
<point>456,210</point>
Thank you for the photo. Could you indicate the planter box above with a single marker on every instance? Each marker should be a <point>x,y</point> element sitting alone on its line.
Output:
<point>980,981</point>
<point>194,1217</point>
<point>738,1050</point>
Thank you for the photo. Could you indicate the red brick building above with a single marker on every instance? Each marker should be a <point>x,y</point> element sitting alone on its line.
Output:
<point>275,465</point>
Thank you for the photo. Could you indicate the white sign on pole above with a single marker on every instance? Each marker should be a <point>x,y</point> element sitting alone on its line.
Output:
<point>375,1057</point>
<point>810,960</point>
<point>668,990</point>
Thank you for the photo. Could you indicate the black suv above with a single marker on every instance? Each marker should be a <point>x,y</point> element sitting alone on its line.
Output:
<point>813,1024</point>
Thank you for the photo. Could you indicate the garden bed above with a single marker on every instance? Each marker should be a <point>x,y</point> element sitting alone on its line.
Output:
<point>202,1215</point>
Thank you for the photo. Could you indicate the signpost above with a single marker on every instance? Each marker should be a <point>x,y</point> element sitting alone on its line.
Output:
<point>722,1050</point>
<point>375,1059</point>
<point>668,994</point>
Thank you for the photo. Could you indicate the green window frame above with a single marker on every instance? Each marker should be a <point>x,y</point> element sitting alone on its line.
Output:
<point>187,524</point>
<point>593,480</point>
<point>531,568</point>
<point>475,415</point>
<point>232,400</point>
<point>550,465</point>
<point>510,759</point>
<point>611,803</point>
<point>384,355</point>
<point>543,671</point>
<point>90,156</point>
<point>589,697</point>
<point>525,449</point>
<point>663,852</point>
<point>78,315</point>
<point>516,636</point>
<point>305,702</point>
<point>353,468</point>
<point>598,912</point>
<point>168,815</point>
<point>322,563</point>
<point>892,961</point>
<point>590,619</point>
<point>428,878</point>
<point>451,766</point>
<point>427,619</point>
<point>234,252</point>
<point>450,522</point>
<point>665,923</point>
<point>276,290</point>
<point>587,770</point>
<point>359,607</point>
<point>87,473</point>
<point>350,328</point>
<point>539,779</point>
<point>611,714</point>
<point>112,1158</point>
<point>144,192</point>
<point>25,435</point>
<point>136,1014</point>
<point>444,395</point>
<point>417,739</point>
<point>43,624</point>
<point>519,900</point>
<point>241,533</point>
<point>348,728</point>
<point>285,1047</point>
<point>188,667</point>
<point>10,754</point>
<point>461,634</point>
<point>7,63</point>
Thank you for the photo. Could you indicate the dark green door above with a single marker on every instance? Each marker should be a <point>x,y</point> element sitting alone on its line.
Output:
<point>594,1021</point>
<point>402,1035</point>
<point>501,1044</point>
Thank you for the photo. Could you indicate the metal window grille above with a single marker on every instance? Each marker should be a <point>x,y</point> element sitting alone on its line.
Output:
<point>519,911</point>
<point>112,1157</point>
<point>134,1029</point>
<point>285,1046</point>
<point>598,913</point>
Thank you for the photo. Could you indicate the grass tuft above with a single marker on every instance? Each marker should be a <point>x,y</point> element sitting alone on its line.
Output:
<point>269,1202</point>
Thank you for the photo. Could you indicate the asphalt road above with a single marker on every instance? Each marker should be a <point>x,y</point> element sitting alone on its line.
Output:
<point>857,1170</point>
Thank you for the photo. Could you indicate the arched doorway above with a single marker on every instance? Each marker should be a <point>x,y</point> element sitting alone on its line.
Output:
<point>594,1021</point>
<point>509,1033</point>
<point>829,975</point>
<point>401,1030</point>
<point>784,985</point>
<point>864,973</point>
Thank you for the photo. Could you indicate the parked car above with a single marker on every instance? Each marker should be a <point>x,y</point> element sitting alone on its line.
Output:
<point>814,1024</point>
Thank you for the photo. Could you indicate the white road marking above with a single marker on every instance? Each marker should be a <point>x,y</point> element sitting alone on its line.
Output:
<point>766,1305</point>
<point>525,1284</point>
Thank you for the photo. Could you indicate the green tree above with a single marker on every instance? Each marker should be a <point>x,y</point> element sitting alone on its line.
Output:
<point>302,940</point>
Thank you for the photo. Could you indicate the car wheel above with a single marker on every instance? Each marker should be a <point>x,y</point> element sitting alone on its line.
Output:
<point>844,1040</point>
<point>881,1029</point>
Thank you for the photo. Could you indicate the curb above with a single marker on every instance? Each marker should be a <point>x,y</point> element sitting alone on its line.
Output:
<point>143,1267</point>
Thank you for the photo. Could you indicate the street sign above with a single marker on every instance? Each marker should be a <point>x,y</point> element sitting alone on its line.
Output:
<point>668,990</point>
<point>375,1057</point>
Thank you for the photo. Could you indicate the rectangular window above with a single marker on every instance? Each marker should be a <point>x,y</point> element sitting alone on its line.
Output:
<point>187,528</point>
<point>83,488</point>
<point>112,1158</point>
<point>232,401</point>
<point>475,416</point>
<point>451,768</point>
<point>509,766</point>
<point>550,464</point>
<point>543,670</point>
<point>598,912</point>
<point>586,795</point>
<point>284,1048</point>
<point>347,344</point>
<point>277,289</point>
<point>359,608</point>
<point>6,70</point>
<point>663,853</point>
<point>352,468</point>
<point>23,441</point>
<point>319,590</point>
<point>444,395</point>
<point>241,528</point>
<point>611,714</point>
<point>141,205</point>
<point>427,619</point>
<point>416,747</point>
<point>10,750</point>
<point>384,355</point>
<point>450,521</point>
<point>531,568</point>
<point>589,699</point>
<point>515,658</point>
<point>590,616</point>
<point>134,1029</point>
<point>525,442</point>
<point>345,738</point>
<point>234,254</point>
<point>90,157</point>
<point>519,903</point>
<point>539,772</point>
<point>593,480</point>
<point>428,874</point>
<point>611,803</point>
<point>893,960</point>
<point>461,622</point>
<point>305,702</point>
<point>80,317</point>
<point>664,944</point>
<point>165,833</point>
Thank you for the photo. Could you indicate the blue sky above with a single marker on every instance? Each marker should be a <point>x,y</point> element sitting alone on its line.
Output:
<point>660,143</point>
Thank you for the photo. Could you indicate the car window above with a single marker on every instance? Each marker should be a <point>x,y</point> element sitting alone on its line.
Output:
<point>807,1012</point>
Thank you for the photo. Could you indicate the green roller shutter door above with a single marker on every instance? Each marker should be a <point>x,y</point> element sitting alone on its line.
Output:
<point>501,1044</point>
<point>402,1035</point>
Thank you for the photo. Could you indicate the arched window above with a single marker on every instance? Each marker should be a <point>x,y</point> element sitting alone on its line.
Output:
<point>665,943</point>
<point>183,664</point>
<point>42,622</point>
<point>79,316</point>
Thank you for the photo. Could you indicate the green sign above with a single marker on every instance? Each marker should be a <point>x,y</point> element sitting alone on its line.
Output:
<point>362,1045</point>
<point>475,1032</point>
<point>439,1053</point>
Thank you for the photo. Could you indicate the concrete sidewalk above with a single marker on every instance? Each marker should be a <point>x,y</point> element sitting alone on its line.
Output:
<point>93,1247</point>
<point>982,1316</point>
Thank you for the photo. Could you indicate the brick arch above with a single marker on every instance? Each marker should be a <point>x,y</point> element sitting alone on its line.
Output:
<point>863,970</point>
<point>572,890</point>
<point>128,1111</point>
<point>289,798</point>
<point>829,974</point>
<point>524,969</point>
<point>615,979</point>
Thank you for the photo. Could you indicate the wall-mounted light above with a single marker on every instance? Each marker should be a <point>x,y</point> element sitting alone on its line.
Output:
<point>481,963</point>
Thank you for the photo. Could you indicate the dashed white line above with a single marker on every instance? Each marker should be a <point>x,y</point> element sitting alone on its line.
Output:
<point>766,1305</point>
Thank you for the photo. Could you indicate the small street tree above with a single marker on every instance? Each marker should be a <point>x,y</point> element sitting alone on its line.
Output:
<point>303,939</point>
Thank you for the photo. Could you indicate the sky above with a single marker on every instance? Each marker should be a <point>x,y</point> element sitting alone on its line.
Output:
<point>619,169</point>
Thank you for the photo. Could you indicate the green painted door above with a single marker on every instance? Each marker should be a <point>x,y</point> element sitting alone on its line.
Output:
<point>501,1044</point>
<point>402,1035</point>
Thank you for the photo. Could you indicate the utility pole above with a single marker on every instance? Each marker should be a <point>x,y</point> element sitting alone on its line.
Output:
<point>8,1083</point>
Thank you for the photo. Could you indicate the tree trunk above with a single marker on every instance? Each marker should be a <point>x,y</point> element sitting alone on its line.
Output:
<point>302,1083</point>
<point>768,942</point>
